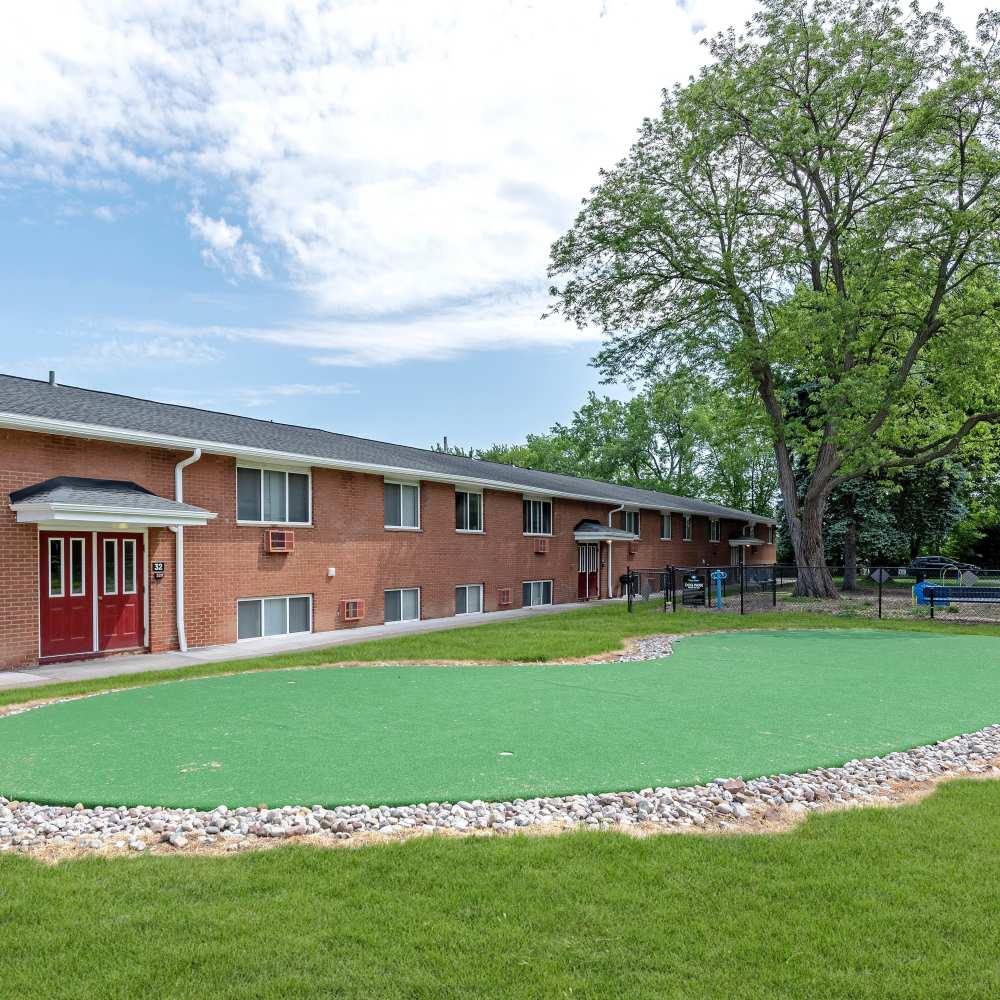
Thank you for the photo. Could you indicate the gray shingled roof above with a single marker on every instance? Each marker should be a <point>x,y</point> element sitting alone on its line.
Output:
<point>113,493</point>
<point>28,397</point>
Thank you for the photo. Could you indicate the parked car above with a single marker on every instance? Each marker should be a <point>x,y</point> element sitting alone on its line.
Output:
<point>933,566</point>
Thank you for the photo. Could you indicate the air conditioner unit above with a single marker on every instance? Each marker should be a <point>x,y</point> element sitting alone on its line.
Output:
<point>504,596</point>
<point>352,610</point>
<point>279,540</point>
<point>541,546</point>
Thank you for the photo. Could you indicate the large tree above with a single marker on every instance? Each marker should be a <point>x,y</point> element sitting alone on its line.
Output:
<point>819,204</point>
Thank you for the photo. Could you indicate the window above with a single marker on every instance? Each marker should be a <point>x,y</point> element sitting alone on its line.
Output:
<point>687,527</point>
<point>267,616</point>
<point>469,599</point>
<point>468,511</point>
<point>402,605</point>
<point>630,521</point>
<point>714,531</point>
<point>666,526</point>
<point>538,517</point>
<point>110,566</point>
<point>402,505</point>
<point>128,566</point>
<point>272,496</point>
<point>77,567</point>
<point>770,534</point>
<point>536,592</point>
<point>55,567</point>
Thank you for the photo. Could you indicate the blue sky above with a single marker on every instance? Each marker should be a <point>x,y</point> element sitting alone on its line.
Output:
<point>328,213</point>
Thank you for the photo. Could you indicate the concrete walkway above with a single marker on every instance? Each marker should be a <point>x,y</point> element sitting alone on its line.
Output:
<point>114,666</point>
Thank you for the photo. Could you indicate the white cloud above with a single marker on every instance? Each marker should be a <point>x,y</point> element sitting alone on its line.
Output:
<point>265,395</point>
<point>224,245</point>
<point>146,351</point>
<point>396,157</point>
<point>105,213</point>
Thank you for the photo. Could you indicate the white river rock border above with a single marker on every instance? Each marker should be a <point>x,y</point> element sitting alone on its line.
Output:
<point>52,832</point>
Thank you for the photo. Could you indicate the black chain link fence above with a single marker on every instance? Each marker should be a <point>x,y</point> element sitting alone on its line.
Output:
<point>955,594</point>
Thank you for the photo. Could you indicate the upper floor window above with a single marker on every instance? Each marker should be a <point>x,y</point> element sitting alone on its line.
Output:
<point>272,496</point>
<point>714,530</point>
<point>687,527</point>
<point>402,505</point>
<point>666,527</point>
<point>468,511</point>
<point>538,517</point>
<point>770,534</point>
<point>630,521</point>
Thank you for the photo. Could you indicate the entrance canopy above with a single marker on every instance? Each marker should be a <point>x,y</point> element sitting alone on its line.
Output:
<point>745,541</point>
<point>594,531</point>
<point>76,500</point>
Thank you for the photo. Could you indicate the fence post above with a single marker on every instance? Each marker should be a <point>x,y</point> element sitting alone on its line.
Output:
<point>673,587</point>
<point>930,594</point>
<point>774,587</point>
<point>708,587</point>
<point>628,586</point>
<point>743,586</point>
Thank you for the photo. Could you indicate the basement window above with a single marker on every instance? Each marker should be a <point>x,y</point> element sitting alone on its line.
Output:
<point>402,605</point>
<point>535,593</point>
<point>259,617</point>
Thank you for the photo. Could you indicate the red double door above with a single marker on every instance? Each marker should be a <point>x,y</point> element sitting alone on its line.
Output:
<point>588,567</point>
<point>82,589</point>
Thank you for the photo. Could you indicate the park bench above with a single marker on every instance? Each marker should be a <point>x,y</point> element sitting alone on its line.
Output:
<point>942,594</point>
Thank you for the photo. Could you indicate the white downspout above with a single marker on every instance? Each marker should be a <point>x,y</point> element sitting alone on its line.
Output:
<point>178,531</point>
<point>611,514</point>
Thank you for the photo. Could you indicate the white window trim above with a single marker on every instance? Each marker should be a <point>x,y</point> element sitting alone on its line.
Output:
<point>552,514</point>
<point>307,472</point>
<point>687,527</point>
<point>626,514</point>
<point>393,590</point>
<point>73,540</point>
<point>668,520</point>
<point>467,587</point>
<point>482,514</point>
<point>714,530</point>
<point>62,567</point>
<point>271,597</point>
<point>552,595</point>
<point>401,527</point>
<point>113,542</point>
<point>135,569</point>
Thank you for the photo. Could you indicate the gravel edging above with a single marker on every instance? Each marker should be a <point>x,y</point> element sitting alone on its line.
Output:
<point>51,833</point>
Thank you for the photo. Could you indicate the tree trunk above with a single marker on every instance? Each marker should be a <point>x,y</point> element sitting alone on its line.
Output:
<point>805,528</point>
<point>851,556</point>
<point>813,578</point>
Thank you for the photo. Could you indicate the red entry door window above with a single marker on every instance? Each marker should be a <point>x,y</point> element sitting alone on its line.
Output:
<point>66,598</point>
<point>120,622</point>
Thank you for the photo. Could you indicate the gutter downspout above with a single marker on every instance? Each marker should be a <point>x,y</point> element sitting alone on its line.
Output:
<point>611,514</point>
<point>179,548</point>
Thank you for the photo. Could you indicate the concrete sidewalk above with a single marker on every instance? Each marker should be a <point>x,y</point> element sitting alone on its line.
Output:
<point>114,666</point>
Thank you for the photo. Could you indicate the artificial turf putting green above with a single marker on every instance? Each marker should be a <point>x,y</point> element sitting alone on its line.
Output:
<point>722,704</point>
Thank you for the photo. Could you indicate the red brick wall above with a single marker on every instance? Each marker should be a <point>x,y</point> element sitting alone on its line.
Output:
<point>226,560</point>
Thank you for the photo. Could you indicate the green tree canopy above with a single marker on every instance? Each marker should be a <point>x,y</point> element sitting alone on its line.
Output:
<point>820,204</point>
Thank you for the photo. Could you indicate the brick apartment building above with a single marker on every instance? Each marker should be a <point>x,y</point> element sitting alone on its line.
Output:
<point>136,525</point>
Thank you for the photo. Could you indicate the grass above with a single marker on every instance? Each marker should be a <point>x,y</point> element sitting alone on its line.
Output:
<point>863,905</point>
<point>723,704</point>
<point>532,640</point>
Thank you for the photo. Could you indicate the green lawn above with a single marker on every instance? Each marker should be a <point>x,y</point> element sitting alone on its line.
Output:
<point>872,904</point>
<point>537,639</point>
<point>723,704</point>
